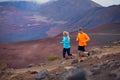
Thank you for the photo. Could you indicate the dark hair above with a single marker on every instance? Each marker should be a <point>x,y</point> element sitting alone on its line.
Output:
<point>80,28</point>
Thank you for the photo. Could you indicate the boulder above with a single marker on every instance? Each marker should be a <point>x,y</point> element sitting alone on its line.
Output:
<point>80,74</point>
<point>42,75</point>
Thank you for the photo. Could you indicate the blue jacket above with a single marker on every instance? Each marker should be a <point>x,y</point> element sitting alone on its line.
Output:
<point>66,42</point>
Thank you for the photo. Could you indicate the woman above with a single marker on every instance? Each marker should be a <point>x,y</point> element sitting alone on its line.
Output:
<point>66,44</point>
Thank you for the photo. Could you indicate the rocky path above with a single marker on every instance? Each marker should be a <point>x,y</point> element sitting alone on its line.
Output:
<point>104,59</point>
<point>96,52</point>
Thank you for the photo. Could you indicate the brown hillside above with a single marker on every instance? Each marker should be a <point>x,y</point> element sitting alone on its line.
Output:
<point>106,28</point>
<point>21,54</point>
<point>104,64</point>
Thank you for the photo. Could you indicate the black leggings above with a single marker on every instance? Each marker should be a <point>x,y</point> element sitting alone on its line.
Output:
<point>66,50</point>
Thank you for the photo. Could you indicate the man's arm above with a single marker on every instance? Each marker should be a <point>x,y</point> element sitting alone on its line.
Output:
<point>77,37</point>
<point>87,37</point>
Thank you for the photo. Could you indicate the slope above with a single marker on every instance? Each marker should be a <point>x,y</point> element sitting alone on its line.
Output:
<point>97,16</point>
<point>37,51</point>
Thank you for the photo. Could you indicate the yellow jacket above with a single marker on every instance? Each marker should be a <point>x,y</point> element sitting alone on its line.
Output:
<point>82,39</point>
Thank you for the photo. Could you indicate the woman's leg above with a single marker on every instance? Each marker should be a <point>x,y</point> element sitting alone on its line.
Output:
<point>68,52</point>
<point>64,52</point>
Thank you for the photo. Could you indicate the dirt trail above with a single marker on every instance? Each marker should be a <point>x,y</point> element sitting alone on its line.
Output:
<point>102,57</point>
<point>106,50</point>
<point>37,69</point>
<point>49,66</point>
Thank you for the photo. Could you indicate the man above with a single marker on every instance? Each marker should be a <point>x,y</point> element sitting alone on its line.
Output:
<point>82,39</point>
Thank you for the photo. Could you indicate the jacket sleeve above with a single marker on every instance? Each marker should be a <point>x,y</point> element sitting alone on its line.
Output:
<point>77,38</point>
<point>62,41</point>
<point>87,38</point>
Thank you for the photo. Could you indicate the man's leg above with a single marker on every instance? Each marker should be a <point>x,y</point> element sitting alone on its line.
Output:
<point>86,53</point>
<point>80,56</point>
<point>79,53</point>
<point>82,53</point>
